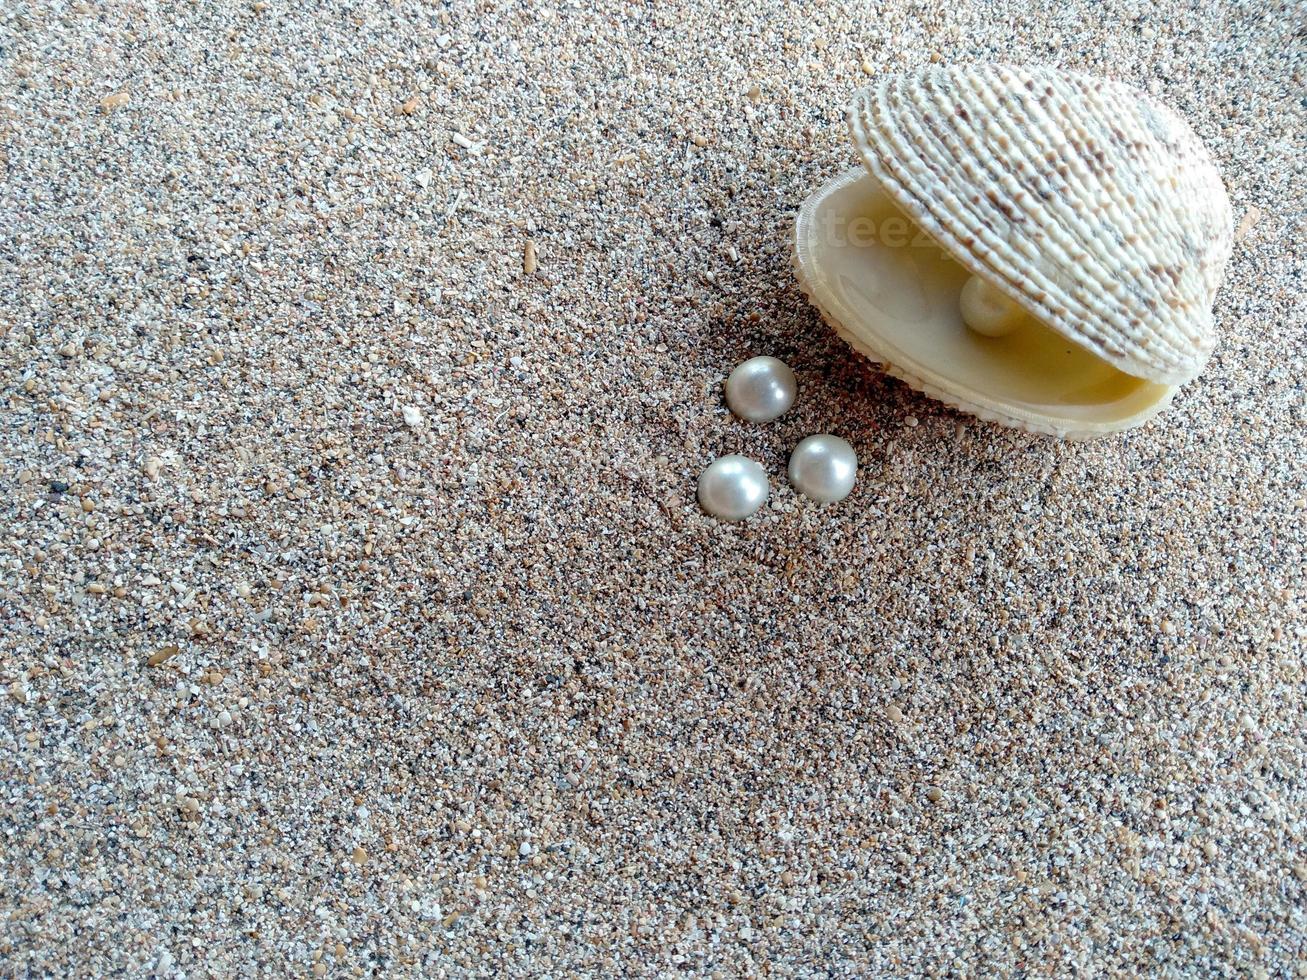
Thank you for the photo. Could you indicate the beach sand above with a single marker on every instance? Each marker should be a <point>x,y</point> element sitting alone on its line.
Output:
<point>356,613</point>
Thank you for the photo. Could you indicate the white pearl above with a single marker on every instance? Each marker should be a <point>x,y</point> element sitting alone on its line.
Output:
<point>761,389</point>
<point>732,488</point>
<point>988,310</point>
<point>823,468</point>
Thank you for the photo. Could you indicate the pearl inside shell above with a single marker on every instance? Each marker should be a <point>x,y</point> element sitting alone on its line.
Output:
<point>987,310</point>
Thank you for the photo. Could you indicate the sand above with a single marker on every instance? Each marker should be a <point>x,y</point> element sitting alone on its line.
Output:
<point>356,615</point>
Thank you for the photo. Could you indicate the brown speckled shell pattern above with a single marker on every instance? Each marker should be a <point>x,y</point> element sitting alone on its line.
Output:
<point>1090,204</point>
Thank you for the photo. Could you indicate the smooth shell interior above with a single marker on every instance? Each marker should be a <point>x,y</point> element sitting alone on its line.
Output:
<point>894,293</point>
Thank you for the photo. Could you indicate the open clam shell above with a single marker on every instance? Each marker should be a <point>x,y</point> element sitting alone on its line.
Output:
<point>1092,216</point>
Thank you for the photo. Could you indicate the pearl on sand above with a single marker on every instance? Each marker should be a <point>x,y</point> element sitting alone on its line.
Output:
<point>761,389</point>
<point>823,467</point>
<point>732,488</point>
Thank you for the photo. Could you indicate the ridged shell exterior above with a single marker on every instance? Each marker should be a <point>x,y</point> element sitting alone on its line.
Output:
<point>1092,205</point>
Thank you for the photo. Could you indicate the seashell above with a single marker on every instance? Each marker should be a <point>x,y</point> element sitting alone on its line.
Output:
<point>1061,239</point>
